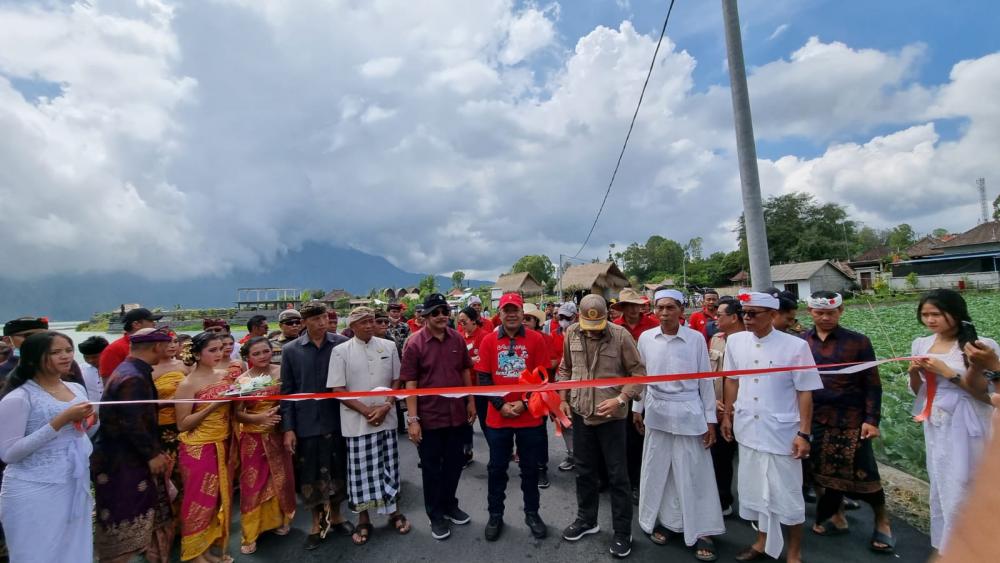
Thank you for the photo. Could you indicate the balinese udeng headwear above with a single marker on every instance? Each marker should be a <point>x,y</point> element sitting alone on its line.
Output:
<point>312,309</point>
<point>671,293</point>
<point>359,314</point>
<point>834,302</point>
<point>151,335</point>
<point>25,326</point>
<point>758,299</point>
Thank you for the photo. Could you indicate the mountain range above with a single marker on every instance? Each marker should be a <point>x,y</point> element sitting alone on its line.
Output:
<point>314,266</point>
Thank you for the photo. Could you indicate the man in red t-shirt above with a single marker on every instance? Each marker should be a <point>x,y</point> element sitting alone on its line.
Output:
<point>503,355</point>
<point>117,351</point>
<point>630,305</point>
<point>709,312</point>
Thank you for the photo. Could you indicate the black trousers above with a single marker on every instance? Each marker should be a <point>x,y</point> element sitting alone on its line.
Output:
<point>590,444</point>
<point>830,502</point>
<point>723,453</point>
<point>442,456</point>
<point>633,442</point>
<point>531,443</point>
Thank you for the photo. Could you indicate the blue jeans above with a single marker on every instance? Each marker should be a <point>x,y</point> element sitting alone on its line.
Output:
<point>531,443</point>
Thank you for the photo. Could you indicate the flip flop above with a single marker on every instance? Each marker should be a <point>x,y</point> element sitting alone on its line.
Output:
<point>400,523</point>
<point>831,529</point>
<point>750,554</point>
<point>879,537</point>
<point>362,533</point>
<point>248,549</point>
<point>705,544</point>
<point>660,530</point>
<point>345,528</point>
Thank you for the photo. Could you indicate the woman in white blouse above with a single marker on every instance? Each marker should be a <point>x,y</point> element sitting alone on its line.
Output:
<point>956,417</point>
<point>45,501</point>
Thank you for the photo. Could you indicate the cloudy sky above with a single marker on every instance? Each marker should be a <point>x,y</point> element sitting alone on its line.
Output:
<point>185,138</point>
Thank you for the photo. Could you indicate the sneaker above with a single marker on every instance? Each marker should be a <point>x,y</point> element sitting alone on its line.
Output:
<point>567,464</point>
<point>578,529</point>
<point>727,511</point>
<point>440,529</point>
<point>494,527</point>
<point>621,545</point>
<point>535,524</point>
<point>457,516</point>
<point>543,479</point>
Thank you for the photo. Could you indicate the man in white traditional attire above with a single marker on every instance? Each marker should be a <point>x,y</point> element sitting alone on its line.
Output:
<point>677,489</point>
<point>771,417</point>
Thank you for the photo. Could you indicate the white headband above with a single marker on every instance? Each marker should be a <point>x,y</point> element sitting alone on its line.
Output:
<point>826,303</point>
<point>758,299</point>
<point>671,293</point>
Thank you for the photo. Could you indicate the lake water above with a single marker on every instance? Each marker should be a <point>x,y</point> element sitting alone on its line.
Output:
<point>69,329</point>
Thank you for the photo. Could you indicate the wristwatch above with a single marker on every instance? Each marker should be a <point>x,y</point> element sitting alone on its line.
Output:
<point>412,419</point>
<point>621,402</point>
<point>804,436</point>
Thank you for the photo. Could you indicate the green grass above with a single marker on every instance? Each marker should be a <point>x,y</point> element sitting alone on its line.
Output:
<point>891,329</point>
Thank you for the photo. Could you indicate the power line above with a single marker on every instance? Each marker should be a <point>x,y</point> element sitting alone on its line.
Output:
<point>652,63</point>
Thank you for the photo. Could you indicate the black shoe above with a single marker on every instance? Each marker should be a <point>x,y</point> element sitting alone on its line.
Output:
<point>635,496</point>
<point>535,524</point>
<point>578,529</point>
<point>494,527</point>
<point>468,460</point>
<point>313,541</point>
<point>621,545</point>
<point>543,479</point>
<point>457,516</point>
<point>440,529</point>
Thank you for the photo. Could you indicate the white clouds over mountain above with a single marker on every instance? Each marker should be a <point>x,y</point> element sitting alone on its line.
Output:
<point>209,135</point>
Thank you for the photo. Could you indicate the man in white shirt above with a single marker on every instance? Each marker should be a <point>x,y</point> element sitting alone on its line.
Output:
<point>91,349</point>
<point>677,490</point>
<point>771,418</point>
<point>368,363</point>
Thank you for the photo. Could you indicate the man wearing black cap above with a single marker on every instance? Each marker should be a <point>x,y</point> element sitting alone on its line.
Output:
<point>398,330</point>
<point>128,457</point>
<point>14,333</point>
<point>312,431</point>
<point>437,356</point>
<point>91,349</point>
<point>115,353</point>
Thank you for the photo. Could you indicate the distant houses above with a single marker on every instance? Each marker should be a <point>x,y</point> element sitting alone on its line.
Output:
<point>970,259</point>
<point>804,278</point>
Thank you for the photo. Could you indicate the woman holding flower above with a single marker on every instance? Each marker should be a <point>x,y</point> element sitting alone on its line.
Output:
<point>267,489</point>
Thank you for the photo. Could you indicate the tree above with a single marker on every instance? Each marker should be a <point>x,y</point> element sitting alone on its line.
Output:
<point>799,229</point>
<point>538,265</point>
<point>427,286</point>
<point>939,232</point>
<point>318,293</point>
<point>901,237</point>
<point>693,248</point>
<point>457,278</point>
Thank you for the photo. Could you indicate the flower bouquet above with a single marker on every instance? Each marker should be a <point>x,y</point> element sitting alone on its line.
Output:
<point>248,385</point>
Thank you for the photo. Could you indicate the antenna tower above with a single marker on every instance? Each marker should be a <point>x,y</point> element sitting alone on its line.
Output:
<point>981,186</point>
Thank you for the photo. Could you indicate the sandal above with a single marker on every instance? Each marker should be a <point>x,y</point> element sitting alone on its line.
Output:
<point>750,554</point>
<point>283,531</point>
<point>399,522</point>
<point>362,533</point>
<point>660,535</point>
<point>830,529</point>
<point>345,528</point>
<point>706,546</point>
<point>324,523</point>
<point>888,541</point>
<point>249,548</point>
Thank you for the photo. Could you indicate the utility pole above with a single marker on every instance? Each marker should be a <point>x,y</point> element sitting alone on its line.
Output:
<point>753,209</point>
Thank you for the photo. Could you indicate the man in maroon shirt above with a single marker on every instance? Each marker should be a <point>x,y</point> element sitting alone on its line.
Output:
<point>709,312</point>
<point>436,356</point>
<point>117,351</point>
<point>503,355</point>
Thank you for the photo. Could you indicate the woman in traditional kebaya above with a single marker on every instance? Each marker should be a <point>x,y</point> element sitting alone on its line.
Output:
<point>204,455</point>
<point>267,489</point>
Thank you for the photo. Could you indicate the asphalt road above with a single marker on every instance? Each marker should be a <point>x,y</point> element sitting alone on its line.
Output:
<point>467,544</point>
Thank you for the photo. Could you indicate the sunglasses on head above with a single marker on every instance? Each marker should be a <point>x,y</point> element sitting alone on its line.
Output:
<point>440,311</point>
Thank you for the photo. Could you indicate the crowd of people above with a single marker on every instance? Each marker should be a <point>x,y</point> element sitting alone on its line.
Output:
<point>128,476</point>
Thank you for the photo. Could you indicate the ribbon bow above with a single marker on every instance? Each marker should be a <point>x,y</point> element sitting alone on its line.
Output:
<point>544,403</point>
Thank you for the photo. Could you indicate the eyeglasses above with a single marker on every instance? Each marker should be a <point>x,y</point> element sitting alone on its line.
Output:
<point>381,321</point>
<point>751,314</point>
<point>438,312</point>
<point>293,322</point>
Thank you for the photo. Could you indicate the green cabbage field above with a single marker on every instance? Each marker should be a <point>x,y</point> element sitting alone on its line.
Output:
<point>891,329</point>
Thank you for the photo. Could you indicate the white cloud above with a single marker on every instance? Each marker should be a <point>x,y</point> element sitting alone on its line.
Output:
<point>219,134</point>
